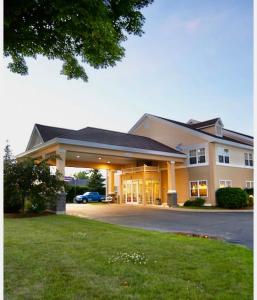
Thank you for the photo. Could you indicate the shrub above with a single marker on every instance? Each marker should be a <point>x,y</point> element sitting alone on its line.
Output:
<point>249,191</point>
<point>12,202</point>
<point>35,203</point>
<point>195,202</point>
<point>250,201</point>
<point>231,197</point>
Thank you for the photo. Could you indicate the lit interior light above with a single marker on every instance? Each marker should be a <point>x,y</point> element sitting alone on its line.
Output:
<point>99,158</point>
<point>108,162</point>
<point>78,156</point>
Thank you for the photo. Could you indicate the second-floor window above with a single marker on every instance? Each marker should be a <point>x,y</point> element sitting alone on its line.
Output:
<point>224,156</point>
<point>249,159</point>
<point>197,156</point>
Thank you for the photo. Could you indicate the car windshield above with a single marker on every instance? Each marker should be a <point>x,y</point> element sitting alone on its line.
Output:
<point>87,193</point>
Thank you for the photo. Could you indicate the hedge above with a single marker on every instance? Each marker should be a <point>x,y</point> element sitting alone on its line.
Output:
<point>195,202</point>
<point>249,191</point>
<point>231,197</point>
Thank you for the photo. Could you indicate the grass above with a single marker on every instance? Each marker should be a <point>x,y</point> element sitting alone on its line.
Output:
<point>65,257</point>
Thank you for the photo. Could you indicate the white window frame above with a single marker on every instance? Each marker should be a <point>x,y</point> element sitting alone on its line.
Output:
<point>197,156</point>
<point>247,158</point>
<point>221,152</point>
<point>251,184</point>
<point>198,194</point>
<point>226,181</point>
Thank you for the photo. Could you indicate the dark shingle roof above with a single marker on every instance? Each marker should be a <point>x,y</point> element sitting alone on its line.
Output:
<point>103,136</point>
<point>226,138</point>
<point>243,134</point>
<point>205,123</point>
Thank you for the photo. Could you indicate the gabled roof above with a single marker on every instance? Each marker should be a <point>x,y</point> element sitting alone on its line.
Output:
<point>103,136</point>
<point>225,138</point>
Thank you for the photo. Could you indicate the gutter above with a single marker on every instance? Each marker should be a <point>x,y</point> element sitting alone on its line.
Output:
<point>99,145</point>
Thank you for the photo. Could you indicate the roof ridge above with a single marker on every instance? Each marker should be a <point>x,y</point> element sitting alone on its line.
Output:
<point>199,130</point>
<point>37,124</point>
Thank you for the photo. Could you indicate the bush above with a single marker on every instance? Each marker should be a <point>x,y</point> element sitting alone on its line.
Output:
<point>12,202</point>
<point>249,191</point>
<point>195,202</point>
<point>231,197</point>
<point>250,201</point>
<point>36,204</point>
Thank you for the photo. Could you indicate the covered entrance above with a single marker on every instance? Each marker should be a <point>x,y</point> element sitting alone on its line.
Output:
<point>135,165</point>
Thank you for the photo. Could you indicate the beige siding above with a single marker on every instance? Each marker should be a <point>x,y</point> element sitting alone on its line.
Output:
<point>166,133</point>
<point>236,155</point>
<point>238,175</point>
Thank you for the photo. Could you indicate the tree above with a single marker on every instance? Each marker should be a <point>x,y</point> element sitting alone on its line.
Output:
<point>81,175</point>
<point>96,182</point>
<point>91,30</point>
<point>12,199</point>
<point>29,180</point>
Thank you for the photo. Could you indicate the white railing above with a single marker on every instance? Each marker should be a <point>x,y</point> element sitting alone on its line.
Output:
<point>140,169</point>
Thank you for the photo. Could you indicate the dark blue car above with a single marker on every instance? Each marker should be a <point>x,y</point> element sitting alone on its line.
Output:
<point>88,197</point>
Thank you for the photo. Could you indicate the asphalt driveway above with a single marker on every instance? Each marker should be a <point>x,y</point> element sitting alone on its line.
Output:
<point>234,227</point>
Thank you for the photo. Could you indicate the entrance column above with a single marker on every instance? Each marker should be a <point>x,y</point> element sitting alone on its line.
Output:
<point>172,193</point>
<point>110,183</point>
<point>60,161</point>
<point>60,206</point>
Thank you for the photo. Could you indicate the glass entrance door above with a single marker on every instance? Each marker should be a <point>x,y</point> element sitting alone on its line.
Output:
<point>130,190</point>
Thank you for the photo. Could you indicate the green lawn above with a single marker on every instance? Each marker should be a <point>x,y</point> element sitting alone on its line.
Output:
<point>64,257</point>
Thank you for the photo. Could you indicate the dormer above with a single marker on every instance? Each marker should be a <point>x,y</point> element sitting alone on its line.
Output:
<point>213,126</point>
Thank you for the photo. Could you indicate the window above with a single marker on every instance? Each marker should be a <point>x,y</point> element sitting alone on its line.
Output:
<point>197,156</point>
<point>198,188</point>
<point>224,156</point>
<point>249,159</point>
<point>249,184</point>
<point>225,183</point>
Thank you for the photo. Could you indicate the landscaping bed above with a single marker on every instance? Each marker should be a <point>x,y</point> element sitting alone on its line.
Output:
<point>65,257</point>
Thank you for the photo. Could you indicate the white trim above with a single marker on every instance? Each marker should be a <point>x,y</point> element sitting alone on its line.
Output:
<point>138,122</point>
<point>197,148</point>
<point>198,188</point>
<point>202,134</point>
<point>35,129</point>
<point>99,145</point>
<point>192,166</point>
<point>234,165</point>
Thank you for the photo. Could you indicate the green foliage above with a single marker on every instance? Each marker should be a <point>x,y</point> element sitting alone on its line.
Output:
<point>72,191</point>
<point>195,202</point>
<point>250,200</point>
<point>249,191</point>
<point>91,31</point>
<point>231,197</point>
<point>29,180</point>
<point>12,199</point>
<point>81,175</point>
<point>65,257</point>
<point>96,182</point>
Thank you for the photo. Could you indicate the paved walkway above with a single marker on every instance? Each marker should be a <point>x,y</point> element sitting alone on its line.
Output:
<point>234,227</point>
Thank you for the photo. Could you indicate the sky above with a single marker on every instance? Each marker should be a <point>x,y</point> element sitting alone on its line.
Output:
<point>195,61</point>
